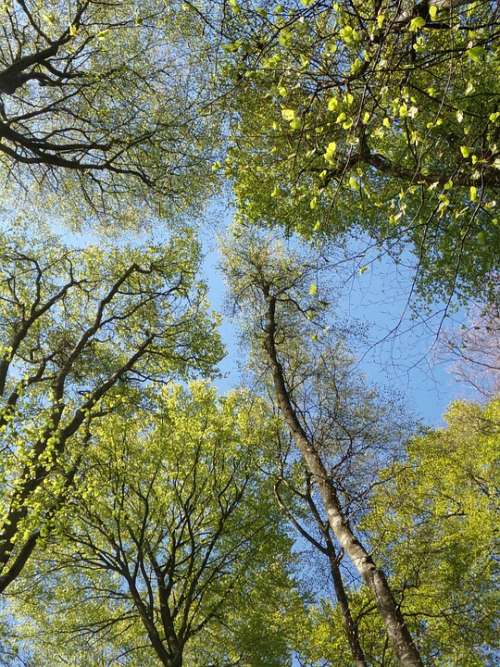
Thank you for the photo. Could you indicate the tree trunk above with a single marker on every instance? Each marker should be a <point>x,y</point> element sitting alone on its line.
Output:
<point>374,578</point>
<point>351,627</point>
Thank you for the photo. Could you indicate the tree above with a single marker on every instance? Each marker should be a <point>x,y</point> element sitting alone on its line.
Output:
<point>376,118</point>
<point>271,287</point>
<point>433,523</point>
<point>171,531</point>
<point>324,544</point>
<point>104,101</point>
<point>80,329</point>
<point>475,351</point>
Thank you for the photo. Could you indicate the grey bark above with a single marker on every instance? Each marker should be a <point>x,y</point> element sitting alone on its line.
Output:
<point>397,630</point>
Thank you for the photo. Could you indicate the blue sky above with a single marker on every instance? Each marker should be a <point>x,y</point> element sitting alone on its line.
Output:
<point>406,360</point>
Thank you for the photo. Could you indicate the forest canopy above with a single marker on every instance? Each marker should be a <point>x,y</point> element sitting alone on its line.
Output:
<point>167,500</point>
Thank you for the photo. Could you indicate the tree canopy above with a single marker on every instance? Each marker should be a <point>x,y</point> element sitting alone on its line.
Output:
<point>305,516</point>
<point>105,101</point>
<point>80,329</point>
<point>373,117</point>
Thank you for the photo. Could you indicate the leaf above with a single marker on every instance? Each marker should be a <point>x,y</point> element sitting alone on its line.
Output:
<point>288,114</point>
<point>313,203</point>
<point>465,151</point>
<point>353,183</point>
<point>330,151</point>
<point>476,53</point>
<point>363,269</point>
<point>313,289</point>
<point>333,103</point>
<point>473,193</point>
<point>433,10</point>
<point>417,23</point>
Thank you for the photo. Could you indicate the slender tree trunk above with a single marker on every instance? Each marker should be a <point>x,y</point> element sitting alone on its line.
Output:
<point>374,578</point>
<point>351,627</point>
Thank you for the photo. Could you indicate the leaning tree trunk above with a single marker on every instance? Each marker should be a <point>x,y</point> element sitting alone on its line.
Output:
<point>374,578</point>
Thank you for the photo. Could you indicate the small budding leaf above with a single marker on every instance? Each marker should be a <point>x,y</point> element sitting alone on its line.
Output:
<point>288,114</point>
<point>333,103</point>
<point>353,183</point>
<point>330,151</point>
<point>473,193</point>
<point>465,151</point>
<point>313,289</point>
<point>476,53</point>
<point>417,23</point>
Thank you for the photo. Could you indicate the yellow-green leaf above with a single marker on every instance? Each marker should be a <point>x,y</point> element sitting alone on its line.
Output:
<point>417,23</point>
<point>288,114</point>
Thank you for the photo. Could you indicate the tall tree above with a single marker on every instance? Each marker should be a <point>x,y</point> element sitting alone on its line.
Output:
<point>376,117</point>
<point>272,286</point>
<point>171,530</point>
<point>79,329</point>
<point>433,522</point>
<point>104,100</point>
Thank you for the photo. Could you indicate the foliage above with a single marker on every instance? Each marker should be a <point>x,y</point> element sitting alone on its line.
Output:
<point>79,329</point>
<point>433,522</point>
<point>171,531</point>
<point>375,117</point>
<point>105,103</point>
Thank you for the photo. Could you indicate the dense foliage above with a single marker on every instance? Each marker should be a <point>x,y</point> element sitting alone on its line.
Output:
<point>378,117</point>
<point>303,517</point>
<point>106,104</point>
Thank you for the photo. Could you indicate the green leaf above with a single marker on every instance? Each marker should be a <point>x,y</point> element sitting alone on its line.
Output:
<point>476,53</point>
<point>330,151</point>
<point>288,114</point>
<point>417,24</point>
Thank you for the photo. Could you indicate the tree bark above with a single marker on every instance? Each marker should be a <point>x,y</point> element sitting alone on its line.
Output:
<point>374,578</point>
<point>350,625</point>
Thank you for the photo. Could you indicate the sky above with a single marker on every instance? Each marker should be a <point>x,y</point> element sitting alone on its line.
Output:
<point>405,360</point>
<point>400,353</point>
